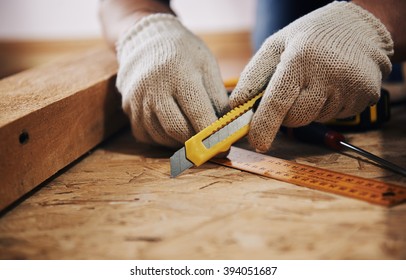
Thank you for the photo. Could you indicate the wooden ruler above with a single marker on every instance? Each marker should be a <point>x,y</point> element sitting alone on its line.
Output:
<point>315,178</point>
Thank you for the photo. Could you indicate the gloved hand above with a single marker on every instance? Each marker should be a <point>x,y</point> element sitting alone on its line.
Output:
<point>327,64</point>
<point>169,81</point>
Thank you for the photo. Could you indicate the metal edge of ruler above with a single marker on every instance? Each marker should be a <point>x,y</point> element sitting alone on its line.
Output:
<point>369,190</point>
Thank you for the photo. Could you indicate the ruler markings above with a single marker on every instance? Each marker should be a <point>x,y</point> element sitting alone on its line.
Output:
<point>316,178</point>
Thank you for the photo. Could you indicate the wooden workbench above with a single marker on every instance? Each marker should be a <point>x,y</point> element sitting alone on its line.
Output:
<point>118,202</point>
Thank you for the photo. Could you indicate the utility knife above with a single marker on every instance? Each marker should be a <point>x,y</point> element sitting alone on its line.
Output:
<point>214,139</point>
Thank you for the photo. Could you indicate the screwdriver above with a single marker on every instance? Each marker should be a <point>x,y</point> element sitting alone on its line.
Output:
<point>320,134</point>
<point>317,133</point>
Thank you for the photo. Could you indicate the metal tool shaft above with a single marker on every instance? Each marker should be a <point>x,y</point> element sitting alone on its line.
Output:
<point>374,158</point>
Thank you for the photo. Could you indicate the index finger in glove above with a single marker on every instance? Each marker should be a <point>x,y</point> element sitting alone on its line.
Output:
<point>277,100</point>
<point>258,72</point>
<point>192,97</point>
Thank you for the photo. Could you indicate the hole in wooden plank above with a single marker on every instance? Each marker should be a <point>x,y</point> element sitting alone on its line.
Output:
<point>24,137</point>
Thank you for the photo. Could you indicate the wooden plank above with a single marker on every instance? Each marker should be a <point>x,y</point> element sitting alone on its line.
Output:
<point>16,56</point>
<point>53,114</point>
<point>19,55</point>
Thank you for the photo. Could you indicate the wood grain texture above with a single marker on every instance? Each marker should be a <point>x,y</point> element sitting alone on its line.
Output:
<point>51,115</point>
<point>119,203</point>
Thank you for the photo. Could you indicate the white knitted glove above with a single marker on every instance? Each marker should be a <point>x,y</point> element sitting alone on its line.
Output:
<point>327,64</point>
<point>170,82</point>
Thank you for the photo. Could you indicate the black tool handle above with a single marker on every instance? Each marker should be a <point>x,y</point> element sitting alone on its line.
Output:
<point>314,133</point>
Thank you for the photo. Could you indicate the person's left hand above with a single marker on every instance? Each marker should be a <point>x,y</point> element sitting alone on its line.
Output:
<point>327,64</point>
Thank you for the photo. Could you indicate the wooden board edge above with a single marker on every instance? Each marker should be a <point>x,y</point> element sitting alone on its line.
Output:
<point>39,144</point>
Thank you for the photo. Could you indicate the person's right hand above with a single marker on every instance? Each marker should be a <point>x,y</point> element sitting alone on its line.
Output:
<point>169,80</point>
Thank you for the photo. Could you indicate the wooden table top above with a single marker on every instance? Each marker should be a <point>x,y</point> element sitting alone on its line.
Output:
<point>118,202</point>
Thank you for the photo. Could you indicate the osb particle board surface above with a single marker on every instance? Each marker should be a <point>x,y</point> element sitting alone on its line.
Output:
<point>119,202</point>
